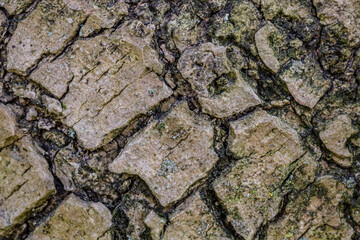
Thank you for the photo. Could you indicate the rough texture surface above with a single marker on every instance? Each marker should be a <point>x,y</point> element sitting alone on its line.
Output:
<point>187,119</point>
<point>118,78</point>
<point>305,81</point>
<point>9,131</point>
<point>155,154</point>
<point>193,220</point>
<point>335,136</point>
<point>75,219</point>
<point>269,151</point>
<point>58,22</point>
<point>14,6</point>
<point>222,91</point>
<point>275,48</point>
<point>156,224</point>
<point>26,183</point>
<point>315,214</point>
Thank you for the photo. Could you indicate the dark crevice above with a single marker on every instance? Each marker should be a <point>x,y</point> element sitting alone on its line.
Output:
<point>209,196</point>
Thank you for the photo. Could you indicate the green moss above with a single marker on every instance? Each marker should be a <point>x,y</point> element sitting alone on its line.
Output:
<point>290,232</point>
<point>160,127</point>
